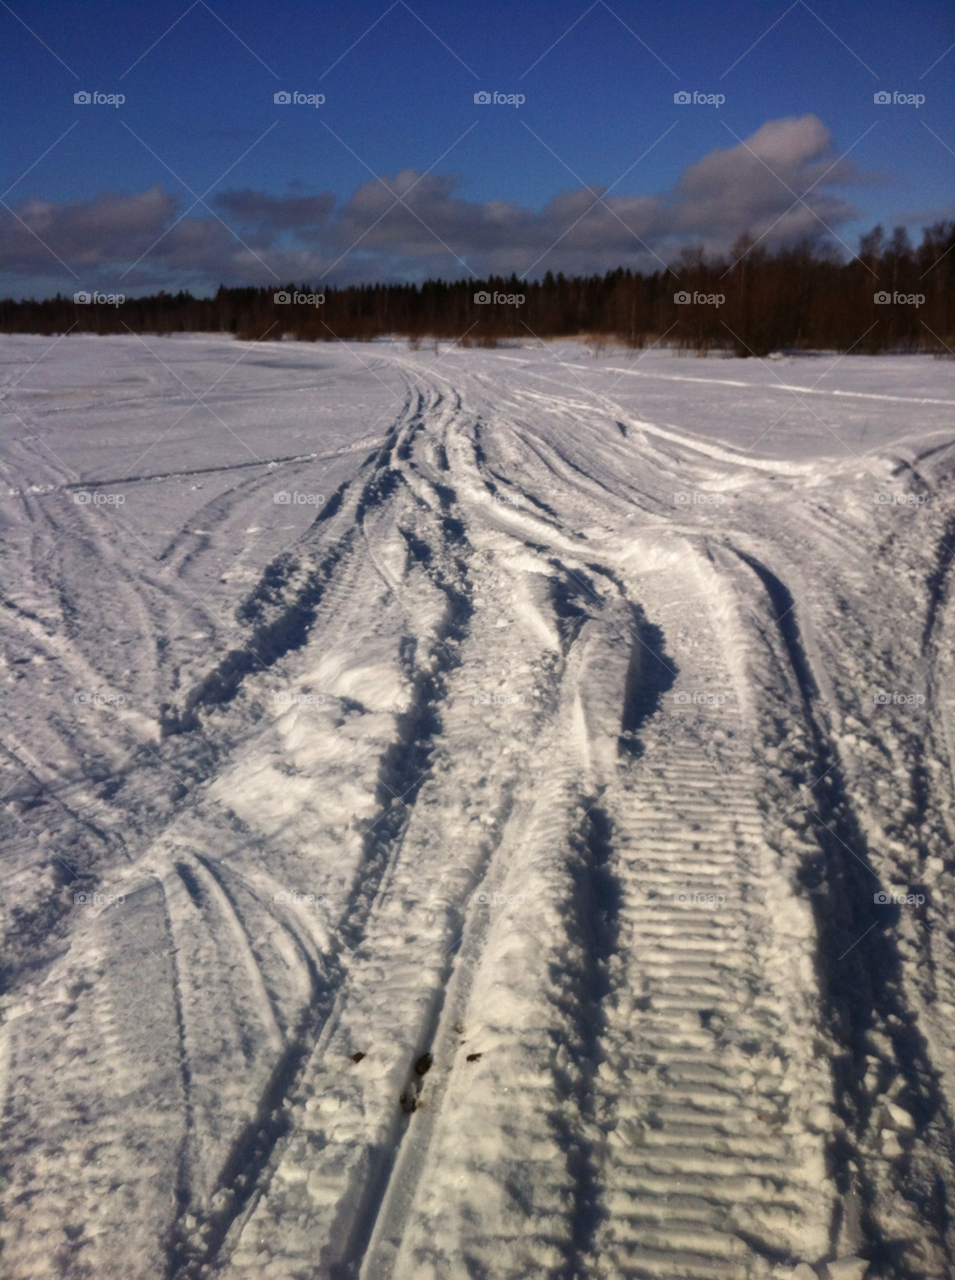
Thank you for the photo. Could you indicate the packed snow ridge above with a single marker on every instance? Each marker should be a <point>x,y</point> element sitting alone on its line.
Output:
<point>475,813</point>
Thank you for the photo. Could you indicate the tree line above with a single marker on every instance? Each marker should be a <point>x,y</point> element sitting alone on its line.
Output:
<point>890,297</point>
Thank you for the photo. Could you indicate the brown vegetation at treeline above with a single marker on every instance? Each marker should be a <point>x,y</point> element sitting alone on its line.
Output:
<point>793,299</point>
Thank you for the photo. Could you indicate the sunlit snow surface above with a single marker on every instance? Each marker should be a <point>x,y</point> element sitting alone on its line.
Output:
<point>475,813</point>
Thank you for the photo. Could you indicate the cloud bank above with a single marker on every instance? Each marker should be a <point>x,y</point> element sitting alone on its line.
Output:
<point>779,184</point>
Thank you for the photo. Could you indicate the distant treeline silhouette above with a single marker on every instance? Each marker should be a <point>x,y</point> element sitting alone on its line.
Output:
<point>891,297</point>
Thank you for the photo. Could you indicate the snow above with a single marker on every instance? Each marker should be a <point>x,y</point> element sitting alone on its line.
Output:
<point>525,852</point>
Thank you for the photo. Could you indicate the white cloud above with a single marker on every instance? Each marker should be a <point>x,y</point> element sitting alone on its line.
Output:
<point>746,186</point>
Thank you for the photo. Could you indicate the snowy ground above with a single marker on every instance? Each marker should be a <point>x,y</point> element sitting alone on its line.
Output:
<point>526,852</point>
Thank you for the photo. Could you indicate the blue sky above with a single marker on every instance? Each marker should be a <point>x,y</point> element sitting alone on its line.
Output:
<point>597,167</point>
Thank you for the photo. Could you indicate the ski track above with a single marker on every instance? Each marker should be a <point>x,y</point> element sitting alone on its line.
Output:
<point>540,937</point>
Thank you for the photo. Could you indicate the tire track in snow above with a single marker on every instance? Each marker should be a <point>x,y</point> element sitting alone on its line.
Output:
<point>445,1226</point>
<point>401,771</point>
<point>862,994</point>
<point>780,1207</point>
<point>343,1105</point>
<point>434,1221</point>
<point>708,1173</point>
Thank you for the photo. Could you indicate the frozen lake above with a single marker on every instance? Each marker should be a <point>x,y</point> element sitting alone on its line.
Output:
<point>475,813</point>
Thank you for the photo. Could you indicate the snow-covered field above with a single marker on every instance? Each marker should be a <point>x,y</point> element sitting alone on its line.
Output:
<point>524,852</point>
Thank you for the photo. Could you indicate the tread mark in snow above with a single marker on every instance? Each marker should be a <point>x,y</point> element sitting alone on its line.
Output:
<point>860,967</point>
